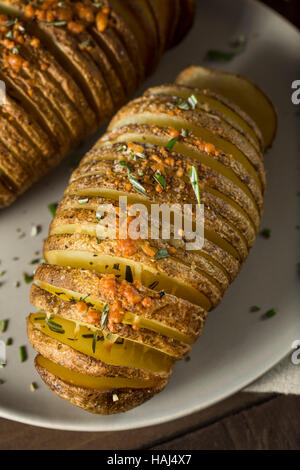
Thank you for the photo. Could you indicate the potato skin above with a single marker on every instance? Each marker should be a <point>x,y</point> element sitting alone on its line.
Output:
<point>95,401</point>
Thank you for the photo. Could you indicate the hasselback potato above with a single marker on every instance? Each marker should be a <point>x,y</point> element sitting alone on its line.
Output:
<point>67,68</point>
<point>115,314</point>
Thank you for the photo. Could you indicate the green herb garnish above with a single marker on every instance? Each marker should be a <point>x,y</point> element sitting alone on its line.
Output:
<point>192,101</point>
<point>104,316</point>
<point>128,274</point>
<point>238,46</point>
<point>266,233</point>
<point>9,342</point>
<point>125,164</point>
<point>22,353</point>
<point>153,285</point>
<point>52,208</point>
<point>254,309</point>
<point>54,23</point>
<point>269,314</point>
<point>82,202</point>
<point>95,337</point>
<point>171,143</point>
<point>83,299</point>
<point>160,179</point>
<point>195,183</point>
<point>137,185</point>
<point>33,387</point>
<point>28,278</point>
<point>55,327</point>
<point>162,254</point>
<point>3,325</point>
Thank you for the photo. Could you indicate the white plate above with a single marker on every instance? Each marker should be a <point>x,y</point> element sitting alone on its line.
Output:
<point>237,346</point>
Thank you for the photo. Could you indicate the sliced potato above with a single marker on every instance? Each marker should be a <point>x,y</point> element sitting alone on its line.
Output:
<point>130,328</point>
<point>87,394</point>
<point>166,111</point>
<point>128,354</point>
<point>241,91</point>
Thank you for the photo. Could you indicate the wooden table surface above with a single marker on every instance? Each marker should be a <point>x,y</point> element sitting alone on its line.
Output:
<point>244,421</point>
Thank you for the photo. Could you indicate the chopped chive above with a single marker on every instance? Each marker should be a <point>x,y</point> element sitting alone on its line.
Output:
<point>54,23</point>
<point>28,278</point>
<point>98,4</point>
<point>255,308</point>
<point>137,185</point>
<point>160,179</point>
<point>128,274</point>
<point>153,285</point>
<point>33,387</point>
<point>195,183</point>
<point>9,342</point>
<point>269,314</point>
<point>192,101</point>
<point>83,299</point>
<point>55,327</point>
<point>22,353</point>
<point>15,50</point>
<point>52,208</point>
<point>3,325</point>
<point>162,254</point>
<point>95,337</point>
<point>104,316</point>
<point>98,240</point>
<point>266,233</point>
<point>35,230</point>
<point>84,44</point>
<point>83,201</point>
<point>171,143</point>
<point>125,164</point>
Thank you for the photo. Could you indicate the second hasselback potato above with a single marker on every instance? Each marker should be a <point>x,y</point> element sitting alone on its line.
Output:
<point>115,314</point>
<point>67,68</point>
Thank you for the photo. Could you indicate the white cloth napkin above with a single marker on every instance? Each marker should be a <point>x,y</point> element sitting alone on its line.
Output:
<point>283,378</point>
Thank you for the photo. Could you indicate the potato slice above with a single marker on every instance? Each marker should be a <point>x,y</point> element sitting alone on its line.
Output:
<point>167,315</point>
<point>186,19</point>
<point>218,106</point>
<point>40,106</point>
<point>62,305</point>
<point>88,394</point>
<point>56,351</point>
<point>90,382</point>
<point>189,146</point>
<point>241,91</point>
<point>128,20</point>
<point>126,354</point>
<point>166,111</point>
<point>118,56</point>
